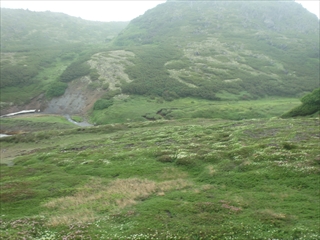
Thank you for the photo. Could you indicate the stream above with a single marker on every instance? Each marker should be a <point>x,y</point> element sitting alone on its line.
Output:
<point>4,135</point>
<point>82,124</point>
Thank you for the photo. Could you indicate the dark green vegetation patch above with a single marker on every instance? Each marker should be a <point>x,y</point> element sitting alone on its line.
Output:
<point>310,105</point>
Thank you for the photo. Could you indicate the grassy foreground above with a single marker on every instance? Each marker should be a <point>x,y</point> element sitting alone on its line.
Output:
<point>182,179</point>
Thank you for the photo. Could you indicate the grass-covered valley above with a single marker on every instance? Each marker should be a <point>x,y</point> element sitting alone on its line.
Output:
<point>202,122</point>
<point>197,177</point>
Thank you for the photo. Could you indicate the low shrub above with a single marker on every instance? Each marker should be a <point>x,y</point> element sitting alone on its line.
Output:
<point>166,158</point>
<point>75,70</point>
<point>102,104</point>
<point>186,161</point>
<point>94,75</point>
<point>56,89</point>
<point>110,94</point>
<point>310,105</point>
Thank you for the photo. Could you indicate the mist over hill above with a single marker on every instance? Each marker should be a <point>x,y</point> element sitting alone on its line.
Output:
<point>26,30</point>
<point>250,48</point>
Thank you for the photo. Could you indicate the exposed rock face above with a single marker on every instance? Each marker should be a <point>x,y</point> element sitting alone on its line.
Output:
<point>79,97</point>
<point>82,93</point>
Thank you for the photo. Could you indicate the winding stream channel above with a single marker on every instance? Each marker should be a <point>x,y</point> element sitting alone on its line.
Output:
<point>81,124</point>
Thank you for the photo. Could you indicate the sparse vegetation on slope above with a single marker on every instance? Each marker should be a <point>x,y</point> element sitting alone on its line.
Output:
<point>150,77</point>
<point>38,47</point>
<point>202,48</point>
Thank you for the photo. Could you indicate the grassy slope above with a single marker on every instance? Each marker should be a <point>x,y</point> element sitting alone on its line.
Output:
<point>135,107</point>
<point>34,123</point>
<point>188,179</point>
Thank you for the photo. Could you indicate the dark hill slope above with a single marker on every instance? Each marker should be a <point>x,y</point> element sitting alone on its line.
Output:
<point>251,49</point>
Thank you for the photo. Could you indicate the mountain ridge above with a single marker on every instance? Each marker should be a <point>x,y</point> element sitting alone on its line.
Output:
<point>271,40</point>
<point>28,29</point>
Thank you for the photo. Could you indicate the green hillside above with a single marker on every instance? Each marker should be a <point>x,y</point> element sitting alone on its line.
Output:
<point>211,50</point>
<point>250,49</point>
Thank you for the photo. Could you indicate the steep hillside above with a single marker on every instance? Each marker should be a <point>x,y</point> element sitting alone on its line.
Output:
<point>250,49</point>
<point>104,78</point>
<point>38,47</point>
<point>212,50</point>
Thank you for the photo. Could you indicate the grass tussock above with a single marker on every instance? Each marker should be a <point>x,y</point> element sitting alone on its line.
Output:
<point>170,173</point>
<point>80,216</point>
<point>96,197</point>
